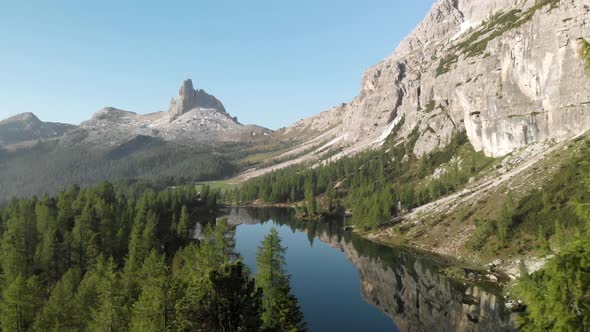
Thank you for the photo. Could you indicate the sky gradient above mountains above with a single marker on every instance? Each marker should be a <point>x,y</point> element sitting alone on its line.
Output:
<point>270,62</point>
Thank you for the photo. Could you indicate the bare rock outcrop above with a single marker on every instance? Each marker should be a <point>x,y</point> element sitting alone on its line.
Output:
<point>507,72</point>
<point>189,99</point>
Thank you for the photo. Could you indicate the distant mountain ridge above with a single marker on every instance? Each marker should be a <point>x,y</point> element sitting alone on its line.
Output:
<point>27,127</point>
<point>196,139</point>
<point>194,117</point>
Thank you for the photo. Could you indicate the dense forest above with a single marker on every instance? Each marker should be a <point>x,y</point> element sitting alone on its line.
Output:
<point>100,259</point>
<point>48,168</point>
<point>376,184</point>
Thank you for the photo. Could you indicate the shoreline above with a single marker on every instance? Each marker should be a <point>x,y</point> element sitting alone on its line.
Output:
<point>495,275</point>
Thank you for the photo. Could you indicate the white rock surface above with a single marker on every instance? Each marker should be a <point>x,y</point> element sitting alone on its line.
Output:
<point>528,85</point>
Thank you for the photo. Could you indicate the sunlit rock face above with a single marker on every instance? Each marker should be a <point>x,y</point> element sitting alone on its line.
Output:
<point>506,72</point>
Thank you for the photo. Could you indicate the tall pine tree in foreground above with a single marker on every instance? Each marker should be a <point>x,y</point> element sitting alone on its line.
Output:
<point>57,314</point>
<point>21,302</point>
<point>150,312</point>
<point>281,310</point>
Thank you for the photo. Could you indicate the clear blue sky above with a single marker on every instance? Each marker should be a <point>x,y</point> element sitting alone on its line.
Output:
<point>270,62</point>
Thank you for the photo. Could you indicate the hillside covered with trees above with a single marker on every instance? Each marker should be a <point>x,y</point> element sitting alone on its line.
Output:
<point>100,260</point>
<point>376,184</point>
<point>47,168</point>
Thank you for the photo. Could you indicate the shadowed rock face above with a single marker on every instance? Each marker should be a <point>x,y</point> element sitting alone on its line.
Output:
<point>407,286</point>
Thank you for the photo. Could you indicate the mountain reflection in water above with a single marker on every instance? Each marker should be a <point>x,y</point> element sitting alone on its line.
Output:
<point>406,286</point>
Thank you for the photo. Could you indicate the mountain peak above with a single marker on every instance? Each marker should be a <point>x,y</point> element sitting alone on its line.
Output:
<point>186,88</point>
<point>189,98</point>
<point>25,127</point>
<point>22,117</point>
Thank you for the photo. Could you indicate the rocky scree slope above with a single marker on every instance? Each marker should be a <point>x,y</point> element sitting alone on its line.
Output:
<point>509,73</point>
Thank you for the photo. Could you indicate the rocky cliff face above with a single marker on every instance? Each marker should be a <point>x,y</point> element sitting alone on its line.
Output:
<point>507,72</point>
<point>189,99</point>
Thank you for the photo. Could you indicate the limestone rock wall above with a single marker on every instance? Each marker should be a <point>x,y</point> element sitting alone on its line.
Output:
<point>506,72</point>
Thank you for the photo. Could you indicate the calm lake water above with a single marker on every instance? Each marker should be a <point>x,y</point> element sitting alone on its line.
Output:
<point>346,283</point>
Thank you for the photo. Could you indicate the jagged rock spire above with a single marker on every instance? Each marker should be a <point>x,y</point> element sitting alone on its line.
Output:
<point>189,98</point>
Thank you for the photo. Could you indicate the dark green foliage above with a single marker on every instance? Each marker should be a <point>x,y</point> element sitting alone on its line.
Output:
<point>541,216</point>
<point>500,23</point>
<point>585,54</point>
<point>48,168</point>
<point>429,107</point>
<point>225,300</point>
<point>57,314</point>
<point>374,184</point>
<point>151,311</point>
<point>445,64</point>
<point>483,230</point>
<point>558,297</point>
<point>504,222</point>
<point>22,300</point>
<point>110,313</point>
<point>281,311</point>
<point>98,260</point>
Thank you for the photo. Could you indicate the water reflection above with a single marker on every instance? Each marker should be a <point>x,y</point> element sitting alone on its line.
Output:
<point>406,286</point>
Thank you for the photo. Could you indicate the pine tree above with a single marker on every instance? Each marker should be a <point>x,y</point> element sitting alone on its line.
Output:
<point>13,249</point>
<point>214,249</point>
<point>83,239</point>
<point>504,222</point>
<point>57,312</point>
<point>141,242</point>
<point>150,312</point>
<point>310,201</point>
<point>557,298</point>
<point>225,299</point>
<point>110,314</point>
<point>21,301</point>
<point>280,309</point>
<point>184,224</point>
<point>48,253</point>
<point>86,300</point>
